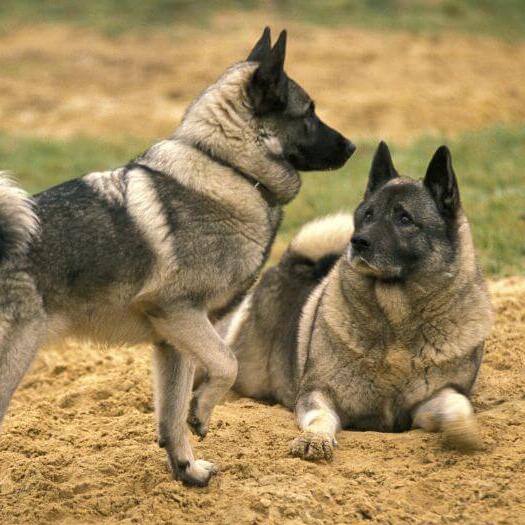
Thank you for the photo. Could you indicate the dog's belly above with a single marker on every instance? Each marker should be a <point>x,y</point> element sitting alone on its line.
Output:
<point>104,324</point>
<point>378,413</point>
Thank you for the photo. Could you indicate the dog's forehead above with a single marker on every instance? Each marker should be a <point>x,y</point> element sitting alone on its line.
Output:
<point>404,191</point>
<point>298,98</point>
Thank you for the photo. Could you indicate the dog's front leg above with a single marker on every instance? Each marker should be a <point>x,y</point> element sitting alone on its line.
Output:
<point>317,418</point>
<point>191,332</point>
<point>449,412</point>
<point>173,376</point>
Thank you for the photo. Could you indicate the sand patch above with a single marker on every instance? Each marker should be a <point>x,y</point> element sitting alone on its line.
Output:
<point>79,447</point>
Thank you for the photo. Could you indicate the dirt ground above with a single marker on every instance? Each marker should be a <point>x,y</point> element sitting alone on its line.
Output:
<point>62,80</point>
<point>79,447</point>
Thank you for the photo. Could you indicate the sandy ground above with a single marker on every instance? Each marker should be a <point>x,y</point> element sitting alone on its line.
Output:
<point>62,81</point>
<point>79,447</point>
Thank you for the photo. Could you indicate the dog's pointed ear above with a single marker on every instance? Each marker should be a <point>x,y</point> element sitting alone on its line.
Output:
<point>382,169</point>
<point>268,88</point>
<point>440,180</point>
<point>261,48</point>
<point>278,53</point>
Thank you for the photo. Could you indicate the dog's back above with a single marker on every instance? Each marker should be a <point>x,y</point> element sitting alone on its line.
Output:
<point>263,331</point>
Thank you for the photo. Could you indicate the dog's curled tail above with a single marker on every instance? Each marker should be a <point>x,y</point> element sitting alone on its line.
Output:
<point>320,243</point>
<point>18,221</point>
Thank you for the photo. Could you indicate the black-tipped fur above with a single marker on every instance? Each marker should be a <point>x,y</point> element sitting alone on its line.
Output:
<point>382,169</point>
<point>441,181</point>
<point>268,88</point>
<point>261,48</point>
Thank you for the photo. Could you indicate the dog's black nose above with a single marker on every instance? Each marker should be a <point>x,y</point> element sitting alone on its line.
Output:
<point>359,243</point>
<point>350,148</point>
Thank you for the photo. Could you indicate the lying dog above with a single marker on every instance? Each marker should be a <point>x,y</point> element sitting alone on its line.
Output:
<point>149,252</point>
<point>392,338</point>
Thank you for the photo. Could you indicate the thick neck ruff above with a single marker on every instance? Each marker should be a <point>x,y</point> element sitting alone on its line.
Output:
<point>265,193</point>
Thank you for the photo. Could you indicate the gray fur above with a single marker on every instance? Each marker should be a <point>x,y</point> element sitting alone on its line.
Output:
<point>18,222</point>
<point>368,348</point>
<point>148,252</point>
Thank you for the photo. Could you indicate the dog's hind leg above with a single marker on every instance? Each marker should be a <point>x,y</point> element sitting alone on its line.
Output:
<point>191,332</point>
<point>173,375</point>
<point>451,413</point>
<point>19,343</point>
<point>22,330</point>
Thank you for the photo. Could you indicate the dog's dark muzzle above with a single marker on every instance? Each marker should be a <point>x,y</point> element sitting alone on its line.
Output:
<point>336,149</point>
<point>330,151</point>
<point>360,244</point>
<point>349,149</point>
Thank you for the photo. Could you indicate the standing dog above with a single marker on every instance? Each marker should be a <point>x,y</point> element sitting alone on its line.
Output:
<point>392,337</point>
<point>151,251</point>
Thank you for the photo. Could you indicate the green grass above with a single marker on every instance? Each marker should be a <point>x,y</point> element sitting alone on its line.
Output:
<point>39,163</point>
<point>490,166</point>
<point>114,16</point>
<point>504,17</point>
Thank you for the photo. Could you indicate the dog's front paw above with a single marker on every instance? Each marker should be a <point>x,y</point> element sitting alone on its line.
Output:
<point>196,473</point>
<point>313,446</point>
<point>197,421</point>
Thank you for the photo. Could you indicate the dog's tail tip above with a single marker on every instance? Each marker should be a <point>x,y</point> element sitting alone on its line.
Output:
<point>18,221</point>
<point>323,237</point>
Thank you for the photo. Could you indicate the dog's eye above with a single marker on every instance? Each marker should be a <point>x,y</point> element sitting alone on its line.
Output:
<point>405,219</point>
<point>368,216</point>
<point>309,123</point>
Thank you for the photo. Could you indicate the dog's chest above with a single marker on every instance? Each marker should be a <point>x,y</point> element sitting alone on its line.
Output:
<point>247,261</point>
<point>377,384</point>
<point>370,390</point>
<point>371,372</point>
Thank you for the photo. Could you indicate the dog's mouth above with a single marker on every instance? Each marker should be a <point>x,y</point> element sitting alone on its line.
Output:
<point>304,161</point>
<point>365,267</point>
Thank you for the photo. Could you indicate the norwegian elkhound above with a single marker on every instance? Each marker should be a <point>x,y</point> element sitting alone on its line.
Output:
<point>151,251</point>
<point>392,337</point>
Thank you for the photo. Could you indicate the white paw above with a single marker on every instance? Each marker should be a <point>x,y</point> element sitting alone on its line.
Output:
<point>201,470</point>
<point>313,446</point>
